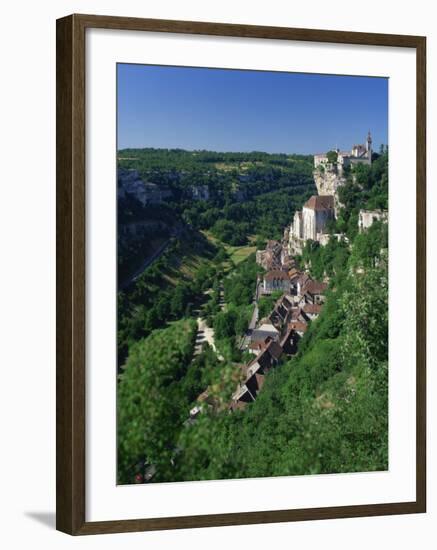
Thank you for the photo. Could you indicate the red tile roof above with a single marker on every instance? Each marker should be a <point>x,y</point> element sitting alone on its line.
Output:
<point>293,273</point>
<point>320,202</point>
<point>295,314</point>
<point>314,287</point>
<point>276,274</point>
<point>303,278</point>
<point>298,326</point>
<point>260,344</point>
<point>312,308</point>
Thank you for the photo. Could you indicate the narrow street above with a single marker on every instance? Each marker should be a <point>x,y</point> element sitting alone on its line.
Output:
<point>253,321</point>
<point>255,313</point>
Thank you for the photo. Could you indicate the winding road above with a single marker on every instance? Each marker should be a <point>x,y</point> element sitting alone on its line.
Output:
<point>145,264</point>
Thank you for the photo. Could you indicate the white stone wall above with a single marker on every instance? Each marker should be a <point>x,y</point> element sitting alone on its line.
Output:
<point>297,225</point>
<point>309,224</point>
<point>320,159</point>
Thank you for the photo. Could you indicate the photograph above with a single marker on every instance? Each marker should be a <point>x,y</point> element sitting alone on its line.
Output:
<point>224,243</point>
<point>252,274</point>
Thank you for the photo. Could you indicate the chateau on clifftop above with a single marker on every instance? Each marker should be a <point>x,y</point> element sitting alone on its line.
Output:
<point>329,168</point>
<point>359,154</point>
<point>312,221</point>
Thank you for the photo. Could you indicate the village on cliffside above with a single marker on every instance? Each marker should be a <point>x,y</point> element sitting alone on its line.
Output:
<point>252,310</point>
<point>301,297</point>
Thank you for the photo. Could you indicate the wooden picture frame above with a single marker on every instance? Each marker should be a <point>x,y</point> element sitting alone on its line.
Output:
<point>71,247</point>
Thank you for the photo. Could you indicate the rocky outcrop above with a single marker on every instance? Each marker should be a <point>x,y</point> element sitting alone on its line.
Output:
<point>328,181</point>
<point>130,183</point>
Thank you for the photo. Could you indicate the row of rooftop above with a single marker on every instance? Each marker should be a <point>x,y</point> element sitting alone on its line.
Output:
<point>279,334</point>
<point>276,335</point>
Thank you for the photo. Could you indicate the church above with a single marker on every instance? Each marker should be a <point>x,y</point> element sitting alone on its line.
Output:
<point>359,154</point>
<point>311,222</point>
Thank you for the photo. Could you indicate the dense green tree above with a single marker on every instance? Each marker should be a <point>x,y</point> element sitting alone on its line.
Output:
<point>267,303</point>
<point>224,324</point>
<point>332,156</point>
<point>150,405</point>
<point>230,232</point>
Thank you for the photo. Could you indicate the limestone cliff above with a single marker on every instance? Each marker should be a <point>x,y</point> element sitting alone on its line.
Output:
<point>328,181</point>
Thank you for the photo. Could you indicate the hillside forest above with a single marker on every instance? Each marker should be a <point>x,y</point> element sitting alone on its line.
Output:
<point>323,410</point>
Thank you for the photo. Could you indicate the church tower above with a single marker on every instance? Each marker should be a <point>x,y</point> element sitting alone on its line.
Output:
<point>369,147</point>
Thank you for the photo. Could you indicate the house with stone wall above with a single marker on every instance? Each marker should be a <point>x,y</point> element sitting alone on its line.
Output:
<point>367,217</point>
<point>275,280</point>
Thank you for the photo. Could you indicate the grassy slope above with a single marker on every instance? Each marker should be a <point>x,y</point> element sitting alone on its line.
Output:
<point>237,254</point>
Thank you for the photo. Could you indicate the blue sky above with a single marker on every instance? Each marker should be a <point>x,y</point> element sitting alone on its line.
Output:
<point>233,110</point>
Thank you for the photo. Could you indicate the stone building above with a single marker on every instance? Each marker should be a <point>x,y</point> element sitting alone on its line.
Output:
<point>313,292</point>
<point>276,280</point>
<point>264,332</point>
<point>367,217</point>
<point>329,176</point>
<point>359,154</point>
<point>312,311</point>
<point>282,311</point>
<point>311,222</point>
<point>270,258</point>
<point>316,213</point>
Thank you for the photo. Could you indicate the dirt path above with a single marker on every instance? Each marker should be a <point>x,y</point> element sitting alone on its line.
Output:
<point>205,334</point>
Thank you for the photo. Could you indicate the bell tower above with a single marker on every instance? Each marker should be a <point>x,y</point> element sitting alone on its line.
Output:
<point>369,147</point>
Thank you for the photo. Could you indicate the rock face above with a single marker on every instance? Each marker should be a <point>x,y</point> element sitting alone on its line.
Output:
<point>328,181</point>
<point>130,183</point>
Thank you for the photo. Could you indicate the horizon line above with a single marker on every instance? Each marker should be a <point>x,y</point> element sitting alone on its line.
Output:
<point>231,151</point>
